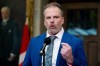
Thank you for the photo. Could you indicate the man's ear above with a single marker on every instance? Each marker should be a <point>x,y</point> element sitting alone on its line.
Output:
<point>62,20</point>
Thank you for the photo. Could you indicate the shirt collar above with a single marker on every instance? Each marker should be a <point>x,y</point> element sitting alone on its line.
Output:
<point>59,34</point>
<point>5,20</point>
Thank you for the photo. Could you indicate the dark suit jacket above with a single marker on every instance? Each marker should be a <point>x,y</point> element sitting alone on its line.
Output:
<point>8,39</point>
<point>33,57</point>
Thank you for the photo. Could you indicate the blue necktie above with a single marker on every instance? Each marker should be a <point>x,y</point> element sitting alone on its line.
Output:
<point>49,52</point>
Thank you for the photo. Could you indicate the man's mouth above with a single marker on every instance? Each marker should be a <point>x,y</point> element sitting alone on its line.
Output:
<point>52,26</point>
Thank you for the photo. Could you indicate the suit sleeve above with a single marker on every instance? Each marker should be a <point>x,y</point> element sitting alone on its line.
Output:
<point>79,56</point>
<point>27,60</point>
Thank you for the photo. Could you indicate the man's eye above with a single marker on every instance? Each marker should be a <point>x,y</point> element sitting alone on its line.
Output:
<point>56,16</point>
<point>47,17</point>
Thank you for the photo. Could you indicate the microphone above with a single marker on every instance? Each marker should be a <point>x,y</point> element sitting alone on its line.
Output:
<point>46,42</point>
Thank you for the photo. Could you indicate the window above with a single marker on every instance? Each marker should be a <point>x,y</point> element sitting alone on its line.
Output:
<point>82,21</point>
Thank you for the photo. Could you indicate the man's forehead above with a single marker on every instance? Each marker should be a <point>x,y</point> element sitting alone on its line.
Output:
<point>53,10</point>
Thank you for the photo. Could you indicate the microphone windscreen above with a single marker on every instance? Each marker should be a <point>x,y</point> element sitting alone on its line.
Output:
<point>47,41</point>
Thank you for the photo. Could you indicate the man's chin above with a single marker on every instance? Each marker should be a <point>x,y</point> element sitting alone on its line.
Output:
<point>53,32</point>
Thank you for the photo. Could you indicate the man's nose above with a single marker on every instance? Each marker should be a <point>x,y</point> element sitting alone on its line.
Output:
<point>52,20</point>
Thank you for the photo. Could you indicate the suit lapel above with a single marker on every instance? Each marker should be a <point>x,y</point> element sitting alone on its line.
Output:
<point>65,39</point>
<point>5,28</point>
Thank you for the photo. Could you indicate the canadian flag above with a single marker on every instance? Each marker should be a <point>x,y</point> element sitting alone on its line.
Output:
<point>24,43</point>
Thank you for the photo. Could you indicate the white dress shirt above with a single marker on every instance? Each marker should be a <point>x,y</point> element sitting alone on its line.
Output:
<point>57,43</point>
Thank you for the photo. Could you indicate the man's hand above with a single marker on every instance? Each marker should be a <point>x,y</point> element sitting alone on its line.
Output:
<point>12,57</point>
<point>66,52</point>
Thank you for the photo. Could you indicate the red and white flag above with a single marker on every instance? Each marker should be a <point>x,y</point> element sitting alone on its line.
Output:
<point>24,43</point>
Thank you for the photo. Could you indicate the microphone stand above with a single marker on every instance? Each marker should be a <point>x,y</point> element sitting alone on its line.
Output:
<point>42,53</point>
<point>43,57</point>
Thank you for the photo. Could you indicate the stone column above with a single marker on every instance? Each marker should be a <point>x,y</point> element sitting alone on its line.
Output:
<point>38,23</point>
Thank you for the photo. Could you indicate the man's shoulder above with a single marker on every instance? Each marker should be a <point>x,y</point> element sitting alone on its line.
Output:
<point>41,36</point>
<point>73,36</point>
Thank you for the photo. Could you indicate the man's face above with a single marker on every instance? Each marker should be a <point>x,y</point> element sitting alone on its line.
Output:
<point>5,14</point>
<point>53,20</point>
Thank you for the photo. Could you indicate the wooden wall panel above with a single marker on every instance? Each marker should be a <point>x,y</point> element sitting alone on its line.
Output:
<point>93,53</point>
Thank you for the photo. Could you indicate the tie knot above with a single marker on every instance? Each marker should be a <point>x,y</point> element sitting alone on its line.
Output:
<point>53,38</point>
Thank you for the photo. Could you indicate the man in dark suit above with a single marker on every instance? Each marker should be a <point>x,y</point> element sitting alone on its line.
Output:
<point>9,44</point>
<point>67,50</point>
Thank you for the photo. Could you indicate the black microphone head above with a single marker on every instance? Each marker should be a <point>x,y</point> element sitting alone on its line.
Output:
<point>47,41</point>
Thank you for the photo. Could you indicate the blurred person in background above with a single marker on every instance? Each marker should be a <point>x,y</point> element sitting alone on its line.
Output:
<point>9,43</point>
